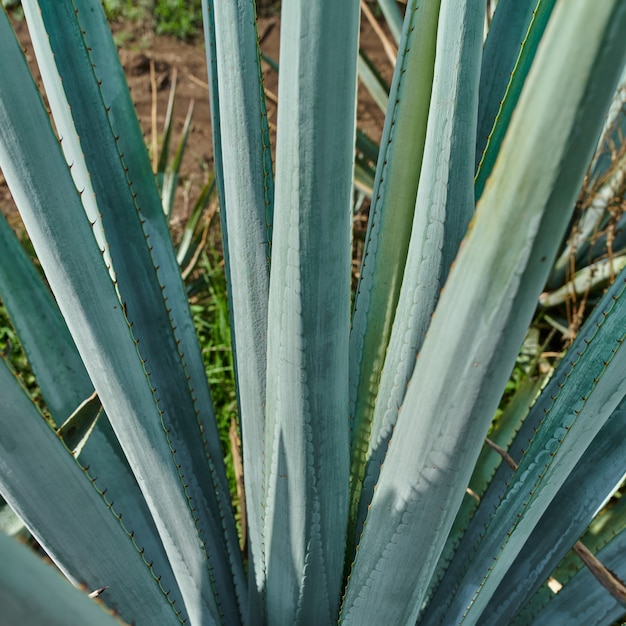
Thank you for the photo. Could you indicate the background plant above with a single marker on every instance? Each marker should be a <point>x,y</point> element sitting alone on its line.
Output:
<point>344,431</point>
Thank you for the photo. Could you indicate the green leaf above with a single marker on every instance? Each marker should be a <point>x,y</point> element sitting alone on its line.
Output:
<point>366,146</point>
<point>168,126</point>
<point>307,438</point>
<point>172,172</point>
<point>392,16</point>
<point>443,209</point>
<point>190,240</point>
<point>63,380</point>
<point>372,81</point>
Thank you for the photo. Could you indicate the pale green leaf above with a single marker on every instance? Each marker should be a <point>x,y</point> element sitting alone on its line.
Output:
<point>77,428</point>
<point>393,17</point>
<point>389,228</point>
<point>485,307</point>
<point>443,209</point>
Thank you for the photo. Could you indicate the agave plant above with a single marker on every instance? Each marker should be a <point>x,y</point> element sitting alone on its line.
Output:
<point>361,428</point>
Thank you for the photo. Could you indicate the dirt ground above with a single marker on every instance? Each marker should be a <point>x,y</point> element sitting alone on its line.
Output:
<point>139,48</point>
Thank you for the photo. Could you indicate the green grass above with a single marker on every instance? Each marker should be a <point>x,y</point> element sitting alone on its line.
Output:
<point>127,9</point>
<point>178,18</point>
<point>167,17</point>
<point>11,349</point>
<point>209,308</point>
<point>172,17</point>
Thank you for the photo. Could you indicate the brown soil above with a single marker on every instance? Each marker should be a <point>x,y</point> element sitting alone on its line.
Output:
<point>140,48</point>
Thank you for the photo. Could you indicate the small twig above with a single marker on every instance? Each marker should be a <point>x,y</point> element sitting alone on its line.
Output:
<point>198,81</point>
<point>271,96</point>
<point>196,255</point>
<point>390,50</point>
<point>502,452</point>
<point>268,29</point>
<point>552,355</point>
<point>603,575</point>
<point>470,492</point>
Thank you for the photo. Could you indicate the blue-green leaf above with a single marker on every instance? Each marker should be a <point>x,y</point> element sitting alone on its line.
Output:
<point>32,593</point>
<point>307,431</point>
<point>246,201</point>
<point>41,185</point>
<point>582,395</point>
<point>583,493</point>
<point>507,32</point>
<point>488,462</point>
<point>606,538</point>
<point>64,382</point>
<point>46,486</point>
